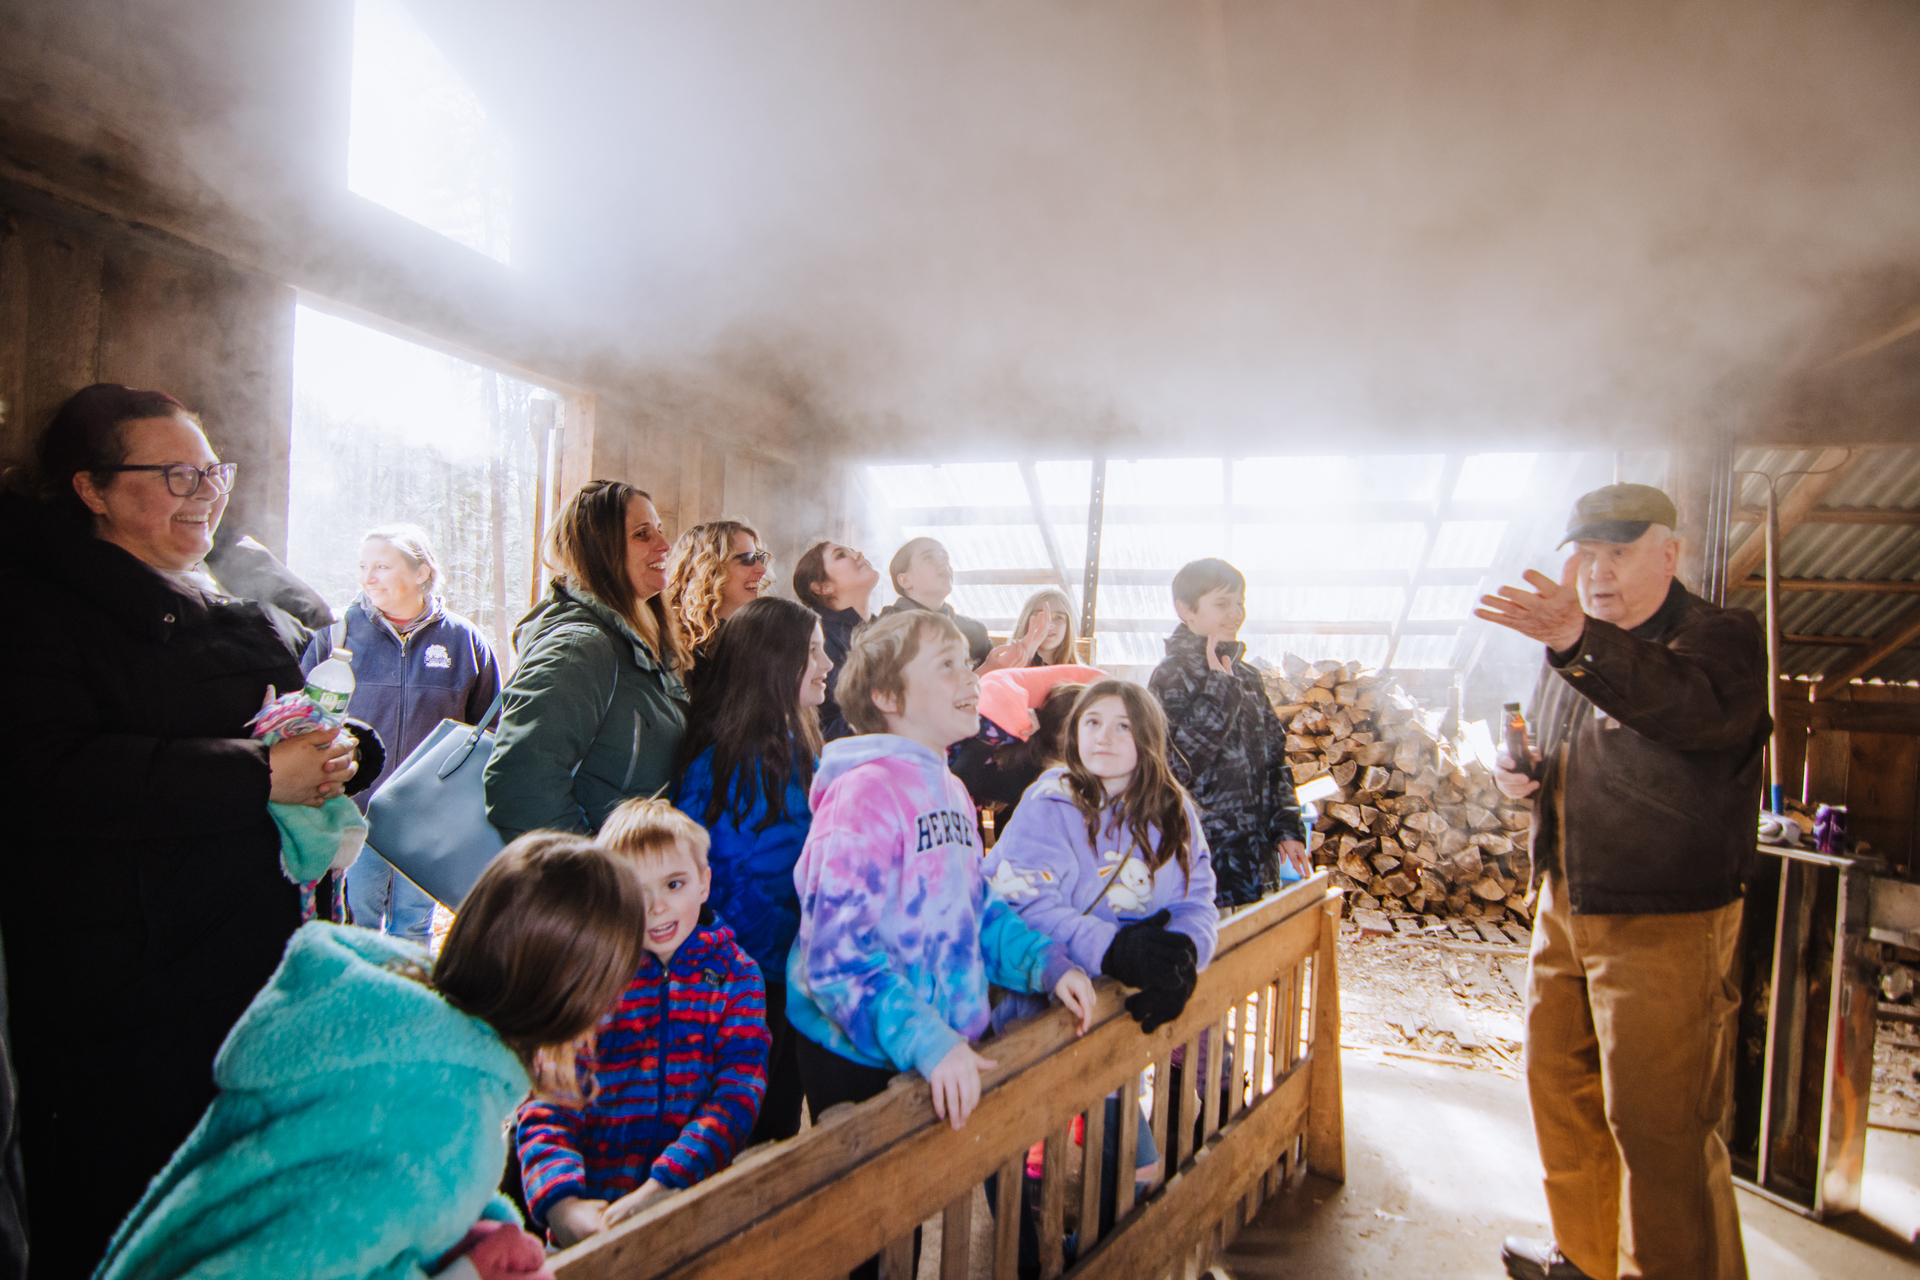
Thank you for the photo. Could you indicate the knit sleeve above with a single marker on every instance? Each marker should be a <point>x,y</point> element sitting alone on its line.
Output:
<point>551,1166</point>
<point>720,1127</point>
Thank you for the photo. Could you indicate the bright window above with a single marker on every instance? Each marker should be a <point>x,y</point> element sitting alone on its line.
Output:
<point>385,430</point>
<point>422,142</point>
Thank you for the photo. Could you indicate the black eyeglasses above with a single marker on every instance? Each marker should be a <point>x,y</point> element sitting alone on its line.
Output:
<point>183,479</point>
<point>752,558</point>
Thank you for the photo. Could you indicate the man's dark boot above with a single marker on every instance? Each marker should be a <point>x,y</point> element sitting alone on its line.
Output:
<point>1537,1260</point>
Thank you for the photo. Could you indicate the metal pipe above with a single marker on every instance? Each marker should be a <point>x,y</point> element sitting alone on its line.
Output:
<point>1096,520</point>
<point>1777,774</point>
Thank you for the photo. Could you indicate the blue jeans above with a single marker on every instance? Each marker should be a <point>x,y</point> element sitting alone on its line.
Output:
<point>383,899</point>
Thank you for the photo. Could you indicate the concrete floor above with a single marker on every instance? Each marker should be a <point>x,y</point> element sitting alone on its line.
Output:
<point>1441,1166</point>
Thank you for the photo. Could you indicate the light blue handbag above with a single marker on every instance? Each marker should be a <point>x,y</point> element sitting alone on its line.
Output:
<point>430,818</point>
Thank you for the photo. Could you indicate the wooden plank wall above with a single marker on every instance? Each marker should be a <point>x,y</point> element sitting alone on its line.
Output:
<point>1860,748</point>
<point>79,304</point>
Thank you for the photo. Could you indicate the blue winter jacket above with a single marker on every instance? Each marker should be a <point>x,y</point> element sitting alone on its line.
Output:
<point>443,670</point>
<point>752,869</point>
<point>360,1129</point>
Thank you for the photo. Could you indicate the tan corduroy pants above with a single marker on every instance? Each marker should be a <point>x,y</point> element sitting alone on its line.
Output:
<point>1629,1026</point>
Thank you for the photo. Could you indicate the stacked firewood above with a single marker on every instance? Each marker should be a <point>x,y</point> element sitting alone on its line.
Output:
<point>1414,830</point>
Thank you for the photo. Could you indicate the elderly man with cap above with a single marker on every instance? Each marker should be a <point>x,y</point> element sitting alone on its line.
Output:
<point>1651,716</point>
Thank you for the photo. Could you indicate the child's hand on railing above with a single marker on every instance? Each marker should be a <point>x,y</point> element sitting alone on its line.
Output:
<point>634,1201</point>
<point>572,1220</point>
<point>956,1083</point>
<point>1075,990</point>
<point>495,1250</point>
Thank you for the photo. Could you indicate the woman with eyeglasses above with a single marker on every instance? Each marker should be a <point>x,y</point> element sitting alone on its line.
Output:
<point>715,569</point>
<point>596,709</point>
<point>142,880</point>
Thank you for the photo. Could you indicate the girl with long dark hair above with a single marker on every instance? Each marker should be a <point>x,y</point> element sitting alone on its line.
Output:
<point>745,766</point>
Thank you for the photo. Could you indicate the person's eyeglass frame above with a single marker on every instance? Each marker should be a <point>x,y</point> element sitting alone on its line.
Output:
<point>748,559</point>
<point>219,475</point>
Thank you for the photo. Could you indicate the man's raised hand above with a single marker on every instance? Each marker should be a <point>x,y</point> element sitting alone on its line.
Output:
<point>1550,613</point>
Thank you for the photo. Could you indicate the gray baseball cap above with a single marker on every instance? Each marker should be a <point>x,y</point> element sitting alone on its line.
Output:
<point>1619,513</point>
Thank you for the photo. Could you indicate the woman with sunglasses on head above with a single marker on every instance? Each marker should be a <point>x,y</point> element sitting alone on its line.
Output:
<point>715,569</point>
<point>596,708</point>
<point>143,873</point>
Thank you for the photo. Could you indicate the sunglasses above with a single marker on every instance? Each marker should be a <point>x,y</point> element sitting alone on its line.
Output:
<point>748,559</point>
<point>183,480</point>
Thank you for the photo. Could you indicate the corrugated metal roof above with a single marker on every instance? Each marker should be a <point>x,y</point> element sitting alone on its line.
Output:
<point>1885,479</point>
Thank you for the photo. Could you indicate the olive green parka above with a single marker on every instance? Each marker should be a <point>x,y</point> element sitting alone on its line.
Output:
<point>591,718</point>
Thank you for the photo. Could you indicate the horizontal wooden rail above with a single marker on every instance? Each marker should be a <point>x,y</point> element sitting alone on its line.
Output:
<point>858,1183</point>
<point>1839,586</point>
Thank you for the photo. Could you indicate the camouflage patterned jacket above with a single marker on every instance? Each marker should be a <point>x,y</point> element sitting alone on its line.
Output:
<point>1228,750</point>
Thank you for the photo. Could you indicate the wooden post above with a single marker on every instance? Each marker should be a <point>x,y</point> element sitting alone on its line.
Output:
<point>1326,1124</point>
<point>956,1238</point>
<point>1091,1163</point>
<point>1008,1206</point>
<point>1053,1204</point>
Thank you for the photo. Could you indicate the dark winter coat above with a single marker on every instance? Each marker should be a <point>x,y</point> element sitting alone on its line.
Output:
<point>978,643</point>
<point>405,686</point>
<point>1229,751</point>
<point>591,718</point>
<point>140,880</point>
<point>836,630</point>
<point>1665,726</point>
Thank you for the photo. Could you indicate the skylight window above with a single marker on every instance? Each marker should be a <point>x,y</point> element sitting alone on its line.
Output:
<point>421,142</point>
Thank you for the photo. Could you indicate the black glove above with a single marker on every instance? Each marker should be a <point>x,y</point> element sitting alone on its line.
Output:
<point>1147,954</point>
<point>1154,1007</point>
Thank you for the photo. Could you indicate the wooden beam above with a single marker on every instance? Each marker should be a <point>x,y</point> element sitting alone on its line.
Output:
<point>1840,586</point>
<point>1831,642</point>
<point>1905,329</point>
<point>1827,470</point>
<point>1841,715</point>
<point>1902,631</point>
<point>1837,515</point>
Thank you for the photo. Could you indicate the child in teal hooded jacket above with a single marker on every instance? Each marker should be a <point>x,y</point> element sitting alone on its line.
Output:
<point>360,1125</point>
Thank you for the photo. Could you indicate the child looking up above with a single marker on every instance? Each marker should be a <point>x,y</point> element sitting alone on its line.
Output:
<point>899,934</point>
<point>360,1125</point>
<point>753,740</point>
<point>679,1065</point>
<point>1229,749</point>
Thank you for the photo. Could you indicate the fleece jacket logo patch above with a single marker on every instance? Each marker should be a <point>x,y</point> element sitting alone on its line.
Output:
<point>436,656</point>
<point>944,826</point>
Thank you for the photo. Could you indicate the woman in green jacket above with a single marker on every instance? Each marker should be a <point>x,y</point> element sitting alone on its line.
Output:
<point>596,709</point>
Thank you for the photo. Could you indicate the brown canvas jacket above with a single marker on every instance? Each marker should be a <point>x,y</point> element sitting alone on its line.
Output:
<point>1664,727</point>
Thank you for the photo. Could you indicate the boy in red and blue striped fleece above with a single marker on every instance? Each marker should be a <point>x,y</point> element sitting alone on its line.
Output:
<point>678,1067</point>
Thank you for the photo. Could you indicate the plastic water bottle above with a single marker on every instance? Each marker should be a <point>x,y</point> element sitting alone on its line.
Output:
<point>330,684</point>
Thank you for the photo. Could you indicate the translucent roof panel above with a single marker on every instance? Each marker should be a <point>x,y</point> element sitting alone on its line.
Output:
<point>1165,482</point>
<point>1389,572</point>
<point>1424,651</point>
<point>1467,544</point>
<point>1494,477</point>
<point>1444,604</point>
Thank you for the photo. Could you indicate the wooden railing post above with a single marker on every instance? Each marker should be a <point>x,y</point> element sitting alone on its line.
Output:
<point>1326,1120</point>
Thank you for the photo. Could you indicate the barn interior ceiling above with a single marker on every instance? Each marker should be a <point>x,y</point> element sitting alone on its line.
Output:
<point>1188,223</point>
<point>1045,227</point>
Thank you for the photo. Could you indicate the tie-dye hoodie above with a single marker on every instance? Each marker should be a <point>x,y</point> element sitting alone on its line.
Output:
<point>899,932</point>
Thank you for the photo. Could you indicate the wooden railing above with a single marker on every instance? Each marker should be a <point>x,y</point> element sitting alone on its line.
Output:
<point>858,1183</point>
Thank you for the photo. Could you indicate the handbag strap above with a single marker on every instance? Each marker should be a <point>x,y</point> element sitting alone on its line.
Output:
<point>458,757</point>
